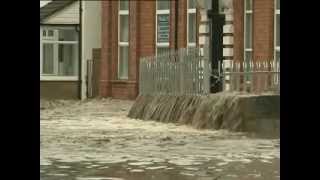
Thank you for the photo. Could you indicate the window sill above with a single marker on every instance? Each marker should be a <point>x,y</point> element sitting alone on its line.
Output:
<point>59,78</point>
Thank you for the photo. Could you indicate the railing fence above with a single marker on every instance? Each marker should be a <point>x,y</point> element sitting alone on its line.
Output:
<point>253,77</point>
<point>184,71</point>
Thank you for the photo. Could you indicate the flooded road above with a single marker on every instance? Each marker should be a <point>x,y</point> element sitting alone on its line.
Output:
<point>94,140</point>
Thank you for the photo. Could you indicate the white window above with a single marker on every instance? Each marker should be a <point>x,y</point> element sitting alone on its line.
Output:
<point>59,52</point>
<point>277,30</point>
<point>123,39</point>
<point>248,13</point>
<point>191,21</point>
<point>162,26</point>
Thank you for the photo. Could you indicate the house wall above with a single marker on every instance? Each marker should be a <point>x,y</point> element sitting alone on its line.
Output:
<point>263,29</point>
<point>142,38</point>
<point>91,36</point>
<point>142,42</point>
<point>59,89</point>
<point>68,15</point>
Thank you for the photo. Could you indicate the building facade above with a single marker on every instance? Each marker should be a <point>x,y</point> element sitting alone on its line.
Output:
<point>134,29</point>
<point>67,38</point>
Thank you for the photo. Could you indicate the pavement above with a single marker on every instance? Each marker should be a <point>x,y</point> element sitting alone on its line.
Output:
<point>95,140</point>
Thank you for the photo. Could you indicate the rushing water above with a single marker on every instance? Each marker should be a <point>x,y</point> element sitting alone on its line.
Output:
<point>94,140</point>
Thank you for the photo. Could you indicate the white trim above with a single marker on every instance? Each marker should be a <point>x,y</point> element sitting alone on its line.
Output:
<point>56,27</point>
<point>123,12</point>
<point>123,43</point>
<point>120,43</point>
<point>192,44</point>
<point>194,10</point>
<point>163,11</point>
<point>248,49</point>
<point>58,78</point>
<point>163,44</point>
<point>59,42</point>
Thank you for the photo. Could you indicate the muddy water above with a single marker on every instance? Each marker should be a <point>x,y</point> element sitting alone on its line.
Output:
<point>94,140</point>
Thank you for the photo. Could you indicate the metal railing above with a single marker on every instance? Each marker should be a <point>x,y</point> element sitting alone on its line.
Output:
<point>184,71</point>
<point>253,77</point>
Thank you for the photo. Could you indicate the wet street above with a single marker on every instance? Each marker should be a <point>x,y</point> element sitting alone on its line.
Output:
<point>94,140</point>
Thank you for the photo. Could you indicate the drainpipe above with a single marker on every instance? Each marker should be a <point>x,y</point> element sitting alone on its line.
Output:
<point>80,52</point>
<point>176,24</point>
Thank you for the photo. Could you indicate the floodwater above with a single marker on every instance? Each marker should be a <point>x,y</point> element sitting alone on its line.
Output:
<point>94,140</point>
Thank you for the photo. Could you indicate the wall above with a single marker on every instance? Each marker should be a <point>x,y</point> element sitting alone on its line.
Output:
<point>263,17</point>
<point>141,43</point>
<point>68,15</point>
<point>263,29</point>
<point>91,37</point>
<point>59,90</point>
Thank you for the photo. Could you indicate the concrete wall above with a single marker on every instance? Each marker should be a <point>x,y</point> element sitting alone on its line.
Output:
<point>259,114</point>
<point>59,89</point>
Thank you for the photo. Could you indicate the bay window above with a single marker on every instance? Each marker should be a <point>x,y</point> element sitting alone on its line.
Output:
<point>123,36</point>
<point>59,52</point>
<point>162,26</point>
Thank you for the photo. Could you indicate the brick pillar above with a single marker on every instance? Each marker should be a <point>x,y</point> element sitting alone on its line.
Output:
<point>173,28</point>
<point>238,24</point>
<point>114,39</point>
<point>263,15</point>
<point>133,45</point>
<point>182,24</point>
<point>105,67</point>
<point>146,28</point>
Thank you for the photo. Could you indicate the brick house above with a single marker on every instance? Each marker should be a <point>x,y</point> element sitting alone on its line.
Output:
<point>134,29</point>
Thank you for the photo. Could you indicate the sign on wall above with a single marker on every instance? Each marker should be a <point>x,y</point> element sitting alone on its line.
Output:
<point>163,28</point>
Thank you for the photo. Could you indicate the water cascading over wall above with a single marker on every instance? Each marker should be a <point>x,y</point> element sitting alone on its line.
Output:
<point>231,111</point>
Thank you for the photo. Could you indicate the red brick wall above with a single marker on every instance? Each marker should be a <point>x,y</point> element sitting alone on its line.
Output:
<point>182,24</point>
<point>172,36</point>
<point>146,21</point>
<point>238,41</point>
<point>105,72</point>
<point>142,42</point>
<point>263,14</point>
<point>263,30</point>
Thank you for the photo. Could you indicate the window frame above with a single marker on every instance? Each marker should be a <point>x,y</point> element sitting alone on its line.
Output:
<point>55,41</point>
<point>123,43</point>
<point>246,12</point>
<point>191,11</point>
<point>161,12</point>
<point>276,13</point>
